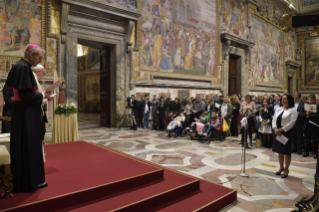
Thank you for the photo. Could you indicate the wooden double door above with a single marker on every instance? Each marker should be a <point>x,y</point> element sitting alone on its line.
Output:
<point>105,87</point>
<point>234,82</point>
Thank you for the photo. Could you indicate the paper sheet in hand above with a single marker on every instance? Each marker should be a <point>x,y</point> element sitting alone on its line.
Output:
<point>311,107</point>
<point>53,95</point>
<point>53,86</point>
<point>282,139</point>
<point>217,105</point>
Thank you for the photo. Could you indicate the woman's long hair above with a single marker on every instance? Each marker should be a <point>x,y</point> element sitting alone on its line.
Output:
<point>234,99</point>
<point>291,100</point>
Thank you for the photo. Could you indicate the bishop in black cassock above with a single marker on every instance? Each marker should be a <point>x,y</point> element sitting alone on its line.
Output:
<point>27,164</point>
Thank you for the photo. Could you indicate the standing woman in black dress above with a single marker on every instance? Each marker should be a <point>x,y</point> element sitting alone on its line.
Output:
<point>282,124</point>
<point>235,113</point>
<point>7,109</point>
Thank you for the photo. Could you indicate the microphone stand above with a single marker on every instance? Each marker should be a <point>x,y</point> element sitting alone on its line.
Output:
<point>243,173</point>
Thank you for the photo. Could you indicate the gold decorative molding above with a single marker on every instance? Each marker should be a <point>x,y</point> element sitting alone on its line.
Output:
<point>267,22</point>
<point>54,36</point>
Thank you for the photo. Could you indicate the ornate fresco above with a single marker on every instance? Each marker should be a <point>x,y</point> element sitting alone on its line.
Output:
<point>130,5</point>
<point>234,16</point>
<point>179,36</point>
<point>290,45</point>
<point>20,25</point>
<point>312,62</point>
<point>267,54</point>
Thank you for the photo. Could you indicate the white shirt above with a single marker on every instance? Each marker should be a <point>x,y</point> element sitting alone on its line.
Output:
<point>296,104</point>
<point>224,109</point>
<point>146,107</point>
<point>288,119</point>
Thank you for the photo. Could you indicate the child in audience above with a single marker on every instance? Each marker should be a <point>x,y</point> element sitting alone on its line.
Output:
<point>212,124</point>
<point>200,123</point>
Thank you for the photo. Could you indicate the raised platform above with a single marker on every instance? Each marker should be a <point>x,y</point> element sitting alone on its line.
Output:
<point>87,177</point>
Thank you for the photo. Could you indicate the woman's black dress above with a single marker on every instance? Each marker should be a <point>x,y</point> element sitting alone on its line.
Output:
<point>278,146</point>
<point>7,109</point>
<point>234,123</point>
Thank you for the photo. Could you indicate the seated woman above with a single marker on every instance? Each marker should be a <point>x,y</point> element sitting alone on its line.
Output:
<point>265,130</point>
<point>188,111</point>
<point>212,124</point>
<point>176,122</point>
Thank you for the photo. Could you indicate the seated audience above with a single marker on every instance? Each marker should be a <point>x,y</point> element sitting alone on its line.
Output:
<point>198,108</point>
<point>211,125</point>
<point>176,122</point>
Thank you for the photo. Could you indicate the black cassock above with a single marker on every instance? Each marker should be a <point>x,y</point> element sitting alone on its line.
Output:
<point>7,109</point>
<point>27,164</point>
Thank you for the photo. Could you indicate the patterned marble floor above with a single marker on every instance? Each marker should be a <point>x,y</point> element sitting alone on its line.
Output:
<point>88,120</point>
<point>218,162</point>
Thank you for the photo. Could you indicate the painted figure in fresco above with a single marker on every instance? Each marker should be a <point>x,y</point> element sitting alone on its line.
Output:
<point>5,37</point>
<point>182,41</point>
<point>178,58</point>
<point>35,30</point>
<point>212,63</point>
<point>21,12</point>
<point>146,54</point>
<point>157,51</point>
<point>166,63</point>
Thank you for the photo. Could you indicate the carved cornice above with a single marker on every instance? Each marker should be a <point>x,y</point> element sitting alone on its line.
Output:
<point>129,33</point>
<point>104,8</point>
<point>64,18</point>
<point>235,41</point>
<point>231,40</point>
<point>293,64</point>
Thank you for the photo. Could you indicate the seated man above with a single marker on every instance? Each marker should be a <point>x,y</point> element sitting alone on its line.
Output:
<point>211,125</point>
<point>198,108</point>
<point>176,122</point>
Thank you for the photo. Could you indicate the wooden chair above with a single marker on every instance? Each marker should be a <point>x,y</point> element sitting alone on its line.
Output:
<point>6,176</point>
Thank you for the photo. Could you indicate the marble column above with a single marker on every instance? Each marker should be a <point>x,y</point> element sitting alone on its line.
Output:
<point>70,69</point>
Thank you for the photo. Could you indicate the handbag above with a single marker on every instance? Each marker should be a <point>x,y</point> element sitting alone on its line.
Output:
<point>225,126</point>
<point>220,128</point>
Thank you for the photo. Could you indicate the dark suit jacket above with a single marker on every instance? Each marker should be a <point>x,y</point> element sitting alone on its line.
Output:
<point>143,103</point>
<point>300,109</point>
<point>135,107</point>
<point>314,117</point>
<point>211,109</point>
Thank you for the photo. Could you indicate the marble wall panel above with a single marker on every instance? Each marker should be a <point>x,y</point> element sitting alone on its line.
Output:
<point>174,93</point>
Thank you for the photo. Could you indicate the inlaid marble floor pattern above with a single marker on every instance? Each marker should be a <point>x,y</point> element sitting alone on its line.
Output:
<point>218,162</point>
